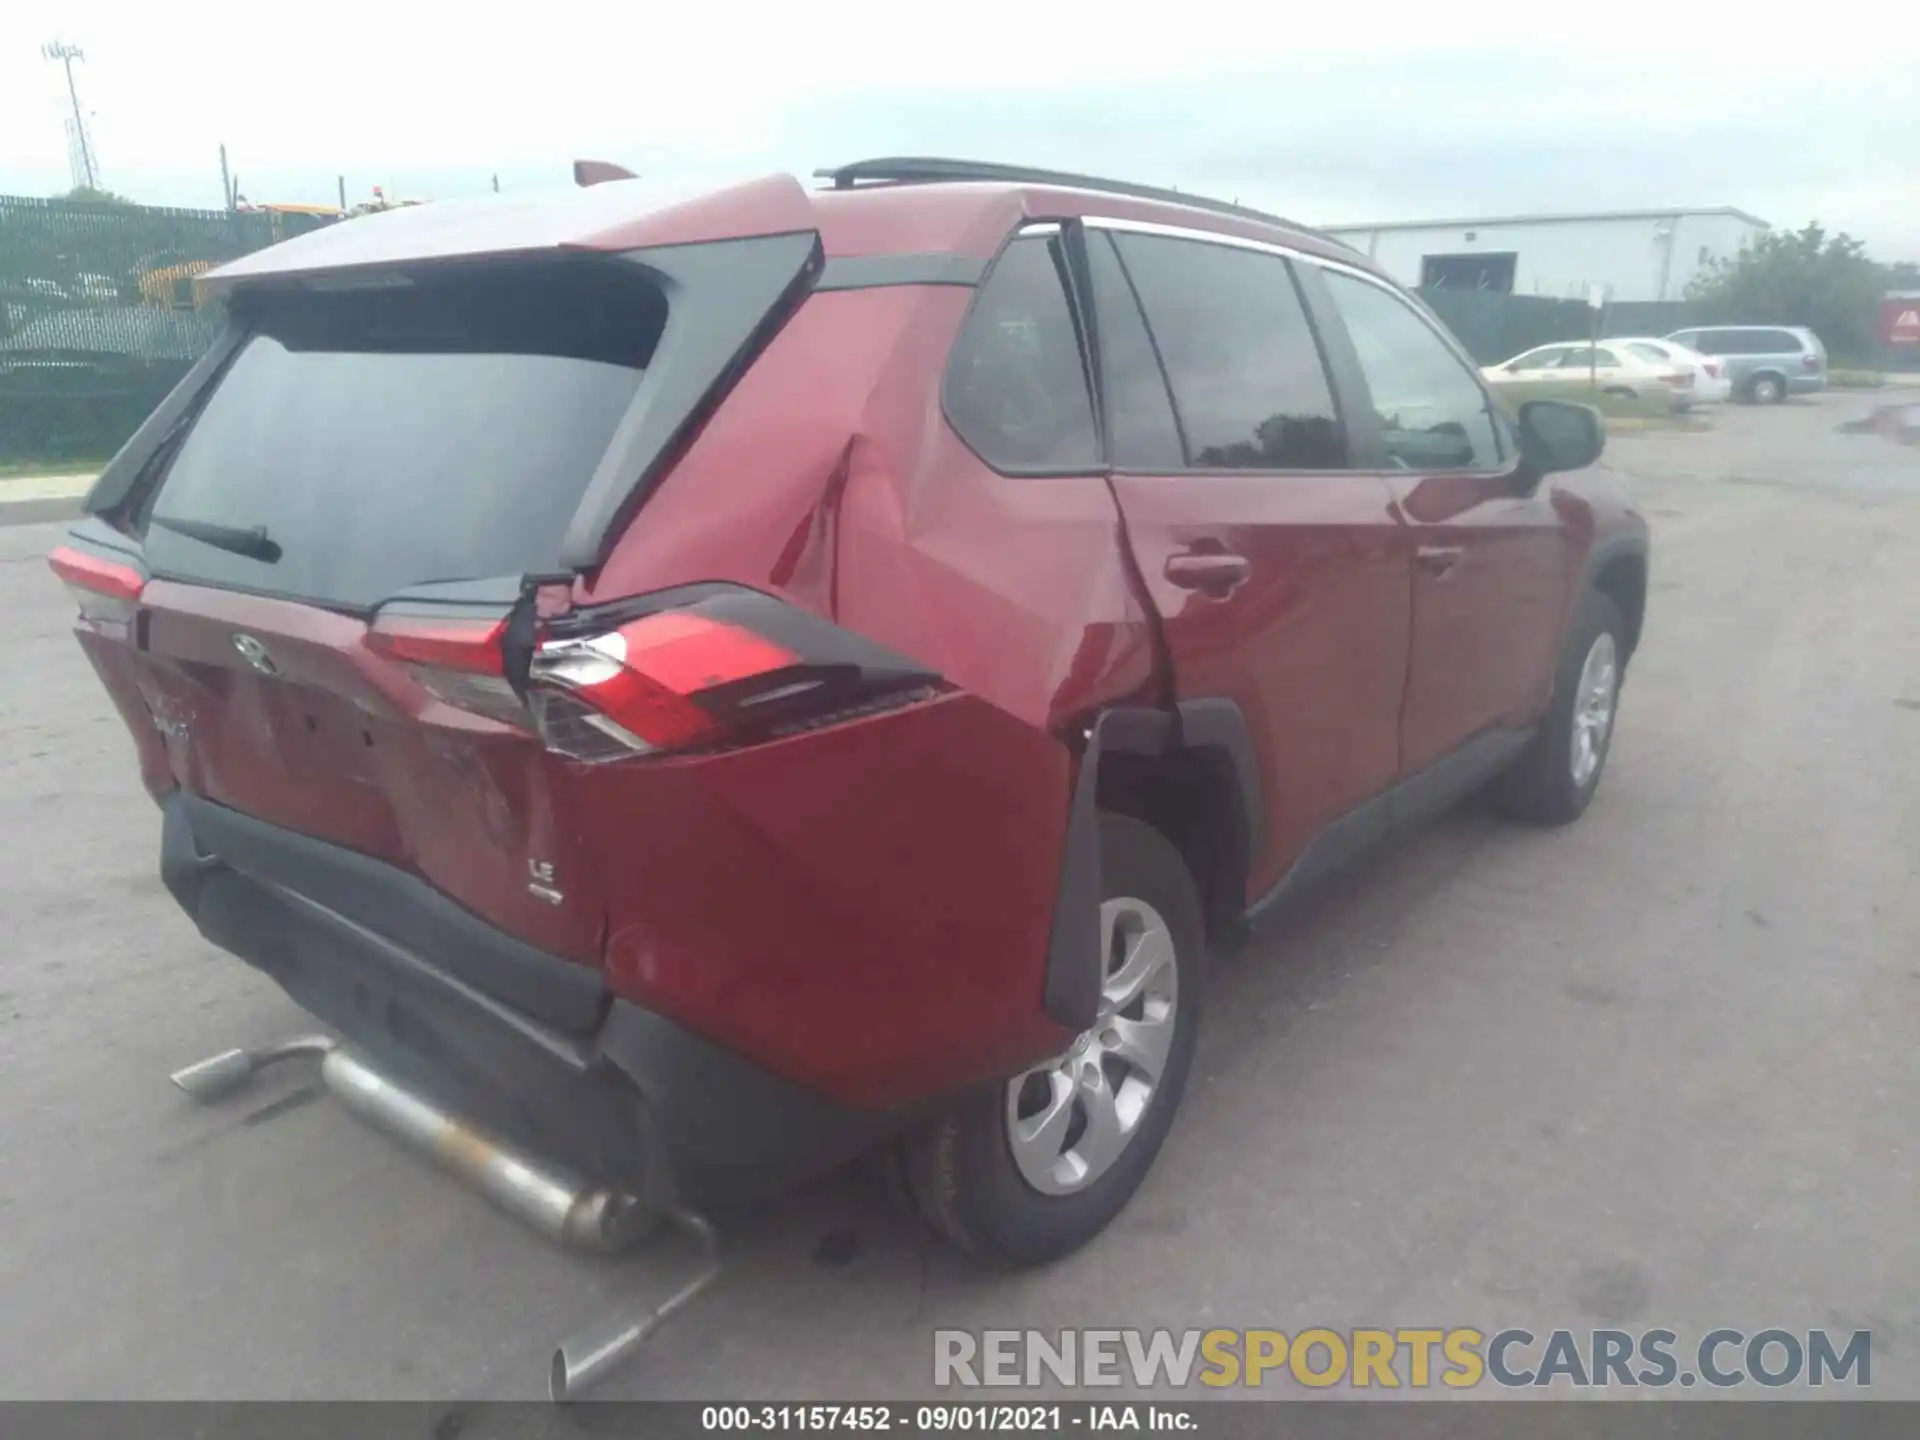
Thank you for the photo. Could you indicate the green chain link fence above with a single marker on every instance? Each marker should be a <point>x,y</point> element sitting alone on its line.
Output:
<point>1495,326</point>
<point>99,315</point>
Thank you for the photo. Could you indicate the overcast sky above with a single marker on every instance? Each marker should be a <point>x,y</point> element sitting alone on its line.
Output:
<point>1379,112</point>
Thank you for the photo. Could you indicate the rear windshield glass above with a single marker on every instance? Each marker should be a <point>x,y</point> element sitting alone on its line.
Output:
<point>364,442</point>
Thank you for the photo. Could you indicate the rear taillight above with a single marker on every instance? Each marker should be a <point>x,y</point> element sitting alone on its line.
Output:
<point>1812,362</point>
<point>722,666</point>
<point>1712,367</point>
<point>638,688</point>
<point>459,661</point>
<point>104,589</point>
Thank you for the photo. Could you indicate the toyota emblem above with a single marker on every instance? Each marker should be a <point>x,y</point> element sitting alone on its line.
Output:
<point>255,654</point>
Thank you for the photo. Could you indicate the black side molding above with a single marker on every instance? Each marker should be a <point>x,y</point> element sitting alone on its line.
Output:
<point>1403,806</point>
<point>1216,723</point>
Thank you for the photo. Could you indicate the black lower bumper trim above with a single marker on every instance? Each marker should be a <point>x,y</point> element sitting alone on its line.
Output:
<point>640,1102</point>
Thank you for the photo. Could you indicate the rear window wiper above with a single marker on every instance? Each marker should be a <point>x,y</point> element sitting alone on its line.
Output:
<point>255,543</point>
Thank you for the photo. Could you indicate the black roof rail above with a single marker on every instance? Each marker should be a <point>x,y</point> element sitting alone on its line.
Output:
<point>927,169</point>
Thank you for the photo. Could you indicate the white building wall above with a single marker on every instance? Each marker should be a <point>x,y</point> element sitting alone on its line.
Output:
<point>1639,257</point>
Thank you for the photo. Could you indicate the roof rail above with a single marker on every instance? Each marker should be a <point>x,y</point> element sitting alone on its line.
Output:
<point>926,170</point>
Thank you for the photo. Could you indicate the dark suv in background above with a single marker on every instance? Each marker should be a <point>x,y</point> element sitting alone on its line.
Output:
<point>710,691</point>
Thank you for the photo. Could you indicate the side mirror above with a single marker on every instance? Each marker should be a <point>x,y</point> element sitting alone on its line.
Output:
<point>1558,435</point>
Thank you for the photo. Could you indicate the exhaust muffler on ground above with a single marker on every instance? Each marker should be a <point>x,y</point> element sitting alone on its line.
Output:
<point>556,1203</point>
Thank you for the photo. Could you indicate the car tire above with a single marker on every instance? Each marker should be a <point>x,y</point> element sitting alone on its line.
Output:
<point>1767,390</point>
<point>1554,779</point>
<point>961,1169</point>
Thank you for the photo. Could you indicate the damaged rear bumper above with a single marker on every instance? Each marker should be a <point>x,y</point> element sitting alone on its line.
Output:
<point>529,1045</point>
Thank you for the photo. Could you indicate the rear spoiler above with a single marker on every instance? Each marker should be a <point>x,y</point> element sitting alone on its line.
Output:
<point>599,172</point>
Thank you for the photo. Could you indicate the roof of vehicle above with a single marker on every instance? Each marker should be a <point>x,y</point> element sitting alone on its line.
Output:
<point>936,215</point>
<point>1800,330</point>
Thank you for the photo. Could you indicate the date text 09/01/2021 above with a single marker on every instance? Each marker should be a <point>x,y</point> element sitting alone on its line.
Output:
<point>945,1416</point>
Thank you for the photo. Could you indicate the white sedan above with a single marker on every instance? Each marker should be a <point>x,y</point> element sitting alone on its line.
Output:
<point>1615,367</point>
<point>1710,383</point>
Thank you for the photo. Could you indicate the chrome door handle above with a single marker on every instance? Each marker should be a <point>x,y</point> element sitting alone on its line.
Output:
<point>1209,572</point>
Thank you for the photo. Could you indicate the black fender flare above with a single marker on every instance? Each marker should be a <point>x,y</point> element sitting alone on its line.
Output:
<point>1603,555</point>
<point>1071,992</point>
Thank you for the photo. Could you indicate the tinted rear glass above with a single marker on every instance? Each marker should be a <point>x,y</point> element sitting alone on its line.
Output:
<point>1242,360</point>
<point>383,439</point>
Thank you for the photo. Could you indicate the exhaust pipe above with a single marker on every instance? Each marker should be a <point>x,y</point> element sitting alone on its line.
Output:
<point>553,1201</point>
<point>584,1360</point>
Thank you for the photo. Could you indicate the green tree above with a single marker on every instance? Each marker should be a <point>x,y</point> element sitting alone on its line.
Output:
<point>1800,277</point>
<point>98,196</point>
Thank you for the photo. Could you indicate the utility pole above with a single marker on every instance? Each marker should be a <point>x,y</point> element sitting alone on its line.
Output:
<point>226,181</point>
<point>79,144</point>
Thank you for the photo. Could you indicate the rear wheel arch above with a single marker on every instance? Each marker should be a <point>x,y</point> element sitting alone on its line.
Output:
<point>1193,776</point>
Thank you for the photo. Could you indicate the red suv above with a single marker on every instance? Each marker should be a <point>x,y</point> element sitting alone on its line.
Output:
<point>708,691</point>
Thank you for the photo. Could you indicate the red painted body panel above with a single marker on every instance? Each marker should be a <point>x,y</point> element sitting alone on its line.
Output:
<point>1313,647</point>
<point>1486,630</point>
<point>863,909</point>
<point>831,479</point>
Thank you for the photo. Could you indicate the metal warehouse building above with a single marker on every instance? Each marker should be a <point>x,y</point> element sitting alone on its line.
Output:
<point>1636,255</point>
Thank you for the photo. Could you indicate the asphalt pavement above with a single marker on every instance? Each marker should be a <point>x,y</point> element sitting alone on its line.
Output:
<point>1659,1068</point>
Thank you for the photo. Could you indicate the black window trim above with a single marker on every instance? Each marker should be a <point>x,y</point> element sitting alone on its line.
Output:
<point>1153,345</point>
<point>1315,328</point>
<point>1078,312</point>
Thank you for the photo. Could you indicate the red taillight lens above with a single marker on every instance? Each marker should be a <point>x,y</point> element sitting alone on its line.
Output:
<point>1812,362</point>
<point>1712,367</point>
<point>706,667</point>
<point>472,646</point>
<point>639,685</point>
<point>104,589</point>
<point>458,661</point>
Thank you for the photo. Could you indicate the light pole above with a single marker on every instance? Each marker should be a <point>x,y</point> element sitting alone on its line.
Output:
<point>84,171</point>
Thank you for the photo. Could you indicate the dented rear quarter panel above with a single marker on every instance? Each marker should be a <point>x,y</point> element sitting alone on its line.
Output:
<point>866,908</point>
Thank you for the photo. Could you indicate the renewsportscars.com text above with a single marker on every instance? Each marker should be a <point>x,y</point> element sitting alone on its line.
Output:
<point>1363,1358</point>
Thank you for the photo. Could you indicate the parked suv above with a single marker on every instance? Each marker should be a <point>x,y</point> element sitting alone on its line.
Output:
<point>710,691</point>
<point>1764,363</point>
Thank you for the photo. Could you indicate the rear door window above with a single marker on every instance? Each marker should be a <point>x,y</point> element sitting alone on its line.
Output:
<point>1248,382</point>
<point>1780,342</point>
<point>1016,385</point>
<point>364,442</point>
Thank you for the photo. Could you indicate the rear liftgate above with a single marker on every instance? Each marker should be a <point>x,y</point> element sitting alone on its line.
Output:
<point>694,666</point>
